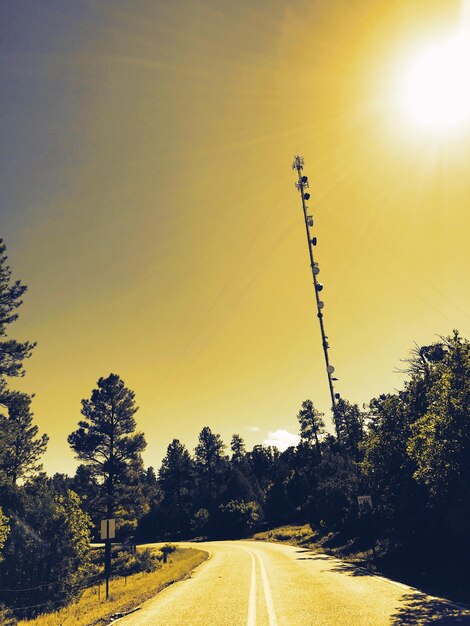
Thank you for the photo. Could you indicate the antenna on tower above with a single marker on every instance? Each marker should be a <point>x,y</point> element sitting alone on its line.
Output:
<point>302,185</point>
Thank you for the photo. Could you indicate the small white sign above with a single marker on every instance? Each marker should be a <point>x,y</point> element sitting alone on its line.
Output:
<point>364,502</point>
<point>108,528</point>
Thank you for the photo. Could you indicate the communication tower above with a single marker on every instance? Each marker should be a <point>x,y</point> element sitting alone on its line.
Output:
<point>302,185</point>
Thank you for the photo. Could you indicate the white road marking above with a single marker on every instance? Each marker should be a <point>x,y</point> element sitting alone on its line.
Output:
<point>252,598</point>
<point>267,593</point>
<point>396,583</point>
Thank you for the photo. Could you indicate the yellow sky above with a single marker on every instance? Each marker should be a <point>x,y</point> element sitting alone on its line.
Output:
<point>150,207</point>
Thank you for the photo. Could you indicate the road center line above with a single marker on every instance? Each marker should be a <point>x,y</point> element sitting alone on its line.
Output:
<point>267,593</point>
<point>252,597</point>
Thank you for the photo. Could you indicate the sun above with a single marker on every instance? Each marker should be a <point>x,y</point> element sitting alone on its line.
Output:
<point>437,85</point>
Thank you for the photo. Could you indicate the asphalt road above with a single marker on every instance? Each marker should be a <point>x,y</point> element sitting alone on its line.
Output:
<point>250,583</point>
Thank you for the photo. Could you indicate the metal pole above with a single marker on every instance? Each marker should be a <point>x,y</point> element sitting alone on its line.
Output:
<point>301,185</point>
<point>107,559</point>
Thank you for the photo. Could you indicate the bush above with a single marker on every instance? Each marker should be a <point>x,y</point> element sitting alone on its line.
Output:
<point>124,562</point>
<point>237,518</point>
<point>166,551</point>
<point>6,616</point>
<point>200,522</point>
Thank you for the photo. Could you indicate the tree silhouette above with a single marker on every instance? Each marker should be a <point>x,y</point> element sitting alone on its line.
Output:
<point>12,353</point>
<point>386,467</point>
<point>176,478</point>
<point>237,446</point>
<point>106,439</point>
<point>263,461</point>
<point>21,450</point>
<point>209,462</point>
<point>311,424</point>
<point>349,423</point>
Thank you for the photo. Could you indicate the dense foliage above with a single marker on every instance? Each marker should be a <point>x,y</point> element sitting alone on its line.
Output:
<point>46,550</point>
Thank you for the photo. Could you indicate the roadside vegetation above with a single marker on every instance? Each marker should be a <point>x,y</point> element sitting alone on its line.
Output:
<point>390,486</point>
<point>126,593</point>
<point>301,535</point>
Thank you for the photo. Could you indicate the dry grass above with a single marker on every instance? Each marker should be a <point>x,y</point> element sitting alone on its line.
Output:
<point>124,594</point>
<point>329,543</point>
<point>292,535</point>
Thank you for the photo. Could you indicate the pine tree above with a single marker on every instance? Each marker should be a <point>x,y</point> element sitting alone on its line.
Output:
<point>21,449</point>
<point>210,461</point>
<point>237,446</point>
<point>12,352</point>
<point>349,422</point>
<point>311,424</point>
<point>106,439</point>
<point>176,478</point>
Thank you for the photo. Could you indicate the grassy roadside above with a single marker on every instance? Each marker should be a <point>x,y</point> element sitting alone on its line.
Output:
<point>125,594</point>
<point>433,573</point>
<point>302,536</point>
<point>329,543</point>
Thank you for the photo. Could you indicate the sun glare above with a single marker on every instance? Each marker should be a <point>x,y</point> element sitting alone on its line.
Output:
<point>437,85</point>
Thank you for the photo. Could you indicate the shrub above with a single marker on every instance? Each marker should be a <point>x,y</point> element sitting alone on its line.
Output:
<point>200,522</point>
<point>166,551</point>
<point>237,518</point>
<point>124,562</point>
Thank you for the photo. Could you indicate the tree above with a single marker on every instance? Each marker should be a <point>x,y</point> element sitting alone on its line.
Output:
<point>336,490</point>
<point>106,440</point>
<point>237,446</point>
<point>210,462</point>
<point>263,461</point>
<point>311,424</point>
<point>176,478</point>
<point>21,449</point>
<point>440,439</point>
<point>12,353</point>
<point>238,487</point>
<point>4,530</point>
<point>298,491</point>
<point>387,467</point>
<point>132,497</point>
<point>151,488</point>
<point>86,483</point>
<point>200,522</point>
<point>349,423</point>
<point>19,452</point>
<point>46,550</point>
<point>276,507</point>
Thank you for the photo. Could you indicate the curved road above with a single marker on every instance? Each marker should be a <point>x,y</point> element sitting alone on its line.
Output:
<point>248,583</point>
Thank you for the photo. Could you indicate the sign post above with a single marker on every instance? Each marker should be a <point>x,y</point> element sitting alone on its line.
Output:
<point>108,532</point>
